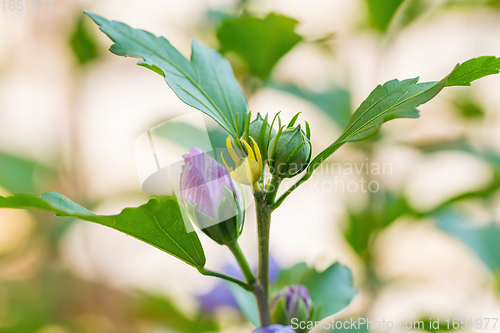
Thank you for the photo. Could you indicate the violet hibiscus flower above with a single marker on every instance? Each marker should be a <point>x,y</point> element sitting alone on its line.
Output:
<point>212,198</point>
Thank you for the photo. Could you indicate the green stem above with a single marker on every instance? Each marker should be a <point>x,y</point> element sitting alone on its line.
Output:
<point>263,202</point>
<point>242,261</point>
<point>273,190</point>
<point>261,290</point>
<point>242,284</point>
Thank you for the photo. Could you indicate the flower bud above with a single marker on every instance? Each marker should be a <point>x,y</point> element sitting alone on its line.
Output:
<point>212,198</point>
<point>292,302</point>
<point>262,133</point>
<point>289,153</point>
<point>275,329</point>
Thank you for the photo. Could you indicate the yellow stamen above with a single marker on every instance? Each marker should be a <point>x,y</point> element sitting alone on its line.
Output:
<point>233,154</point>
<point>257,152</point>
<point>223,160</point>
<point>248,170</point>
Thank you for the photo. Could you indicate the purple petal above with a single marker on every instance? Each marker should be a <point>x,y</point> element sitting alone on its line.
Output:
<point>202,182</point>
<point>293,295</point>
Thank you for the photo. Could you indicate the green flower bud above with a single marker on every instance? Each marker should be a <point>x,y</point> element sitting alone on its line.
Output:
<point>292,302</point>
<point>289,153</point>
<point>262,133</point>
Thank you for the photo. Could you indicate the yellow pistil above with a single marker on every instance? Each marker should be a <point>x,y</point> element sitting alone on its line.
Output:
<point>247,170</point>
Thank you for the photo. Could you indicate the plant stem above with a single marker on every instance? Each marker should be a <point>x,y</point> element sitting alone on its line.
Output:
<point>261,290</point>
<point>242,262</point>
<point>242,284</point>
<point>263,202</point>
<point>273,190</point>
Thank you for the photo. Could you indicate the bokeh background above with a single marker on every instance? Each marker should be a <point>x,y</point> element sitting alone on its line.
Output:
<point>425,244</point>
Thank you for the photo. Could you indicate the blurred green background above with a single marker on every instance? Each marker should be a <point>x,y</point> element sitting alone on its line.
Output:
<point>424,244</point>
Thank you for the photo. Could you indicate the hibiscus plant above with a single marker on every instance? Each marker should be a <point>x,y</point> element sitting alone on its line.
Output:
<point>261,152</point>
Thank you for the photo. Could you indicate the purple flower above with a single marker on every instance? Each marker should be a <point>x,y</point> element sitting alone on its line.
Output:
<point>212,198</point>
<point>292,302</point>
<point>275,329</point>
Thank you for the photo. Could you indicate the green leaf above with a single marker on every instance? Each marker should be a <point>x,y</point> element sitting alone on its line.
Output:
<point>206,83</point>
<point>468,107</point>
<point>165,311</point>
<point>159,222</point>
<point>472,70</point>
<point>83,43</point>
<point>260,42</point>
<point>21,175</point>
<point>400,99</point>
<point>381,12</point>
<point>246,303</point>
<point>394,99</point>
<point>330,290</point>
<point>385,209</point>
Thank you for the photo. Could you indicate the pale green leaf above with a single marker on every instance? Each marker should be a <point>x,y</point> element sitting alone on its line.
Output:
<point>22,175</point>
<point>246,303</point>
<point>158,222</point>
<point>207,82</point>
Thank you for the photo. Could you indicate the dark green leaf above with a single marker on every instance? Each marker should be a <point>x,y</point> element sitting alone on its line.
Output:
<point>82,43</point>
<point>260,42</point>
<point>159,222</point>
<point>330,290</point>
<point>381,12</point>
<point>206,83</point>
